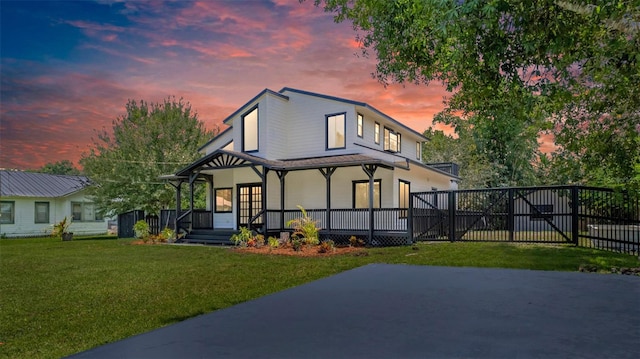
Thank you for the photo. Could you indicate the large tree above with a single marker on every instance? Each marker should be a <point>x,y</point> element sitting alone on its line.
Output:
<point>149,141</point>
<point>518,66</point>
<point>64,167</point>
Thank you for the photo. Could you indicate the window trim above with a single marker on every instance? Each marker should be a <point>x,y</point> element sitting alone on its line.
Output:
<point>387,132</point>
<point>326,130</point>
<point>404,211</point>
<point>244,129</point>
<point>376,133</point>
<point>215,193</point>
<point>360,125</point>
<point>12,218</point>
<point>353,192</point>
<point>418,150</point>
<point>35,214</point>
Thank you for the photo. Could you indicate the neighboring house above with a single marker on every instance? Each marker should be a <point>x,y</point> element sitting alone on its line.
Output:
<point>348,164</point>
<point>30,203</point>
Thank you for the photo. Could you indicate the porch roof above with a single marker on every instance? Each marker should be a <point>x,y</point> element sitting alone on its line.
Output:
<point>222,159</point>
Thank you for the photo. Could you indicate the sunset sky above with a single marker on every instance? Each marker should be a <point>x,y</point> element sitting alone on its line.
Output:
<point>69,67</point>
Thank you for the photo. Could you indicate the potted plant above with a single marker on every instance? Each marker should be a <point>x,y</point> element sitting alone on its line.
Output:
<point>61,229</point>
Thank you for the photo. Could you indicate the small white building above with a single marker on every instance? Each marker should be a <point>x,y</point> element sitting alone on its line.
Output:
<point>30,203</point>
<point>350,165</point>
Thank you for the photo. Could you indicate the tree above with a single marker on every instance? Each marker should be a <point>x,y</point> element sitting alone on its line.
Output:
<point>475,168</point>
<point>64,167</point>
<point>518,67</point>
<point>149,141</point>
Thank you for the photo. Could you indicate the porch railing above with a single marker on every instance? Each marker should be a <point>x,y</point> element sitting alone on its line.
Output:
<point>349,219</point>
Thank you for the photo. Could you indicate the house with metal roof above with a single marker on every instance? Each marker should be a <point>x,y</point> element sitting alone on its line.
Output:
<point>349,165</point>
<point>30,203</point>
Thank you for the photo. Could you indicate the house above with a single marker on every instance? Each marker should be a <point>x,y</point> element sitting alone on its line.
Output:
<point>30,203</point>
<point>349,165</point>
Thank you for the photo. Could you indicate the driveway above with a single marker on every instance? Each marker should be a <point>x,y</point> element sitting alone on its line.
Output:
<point>405,311</point>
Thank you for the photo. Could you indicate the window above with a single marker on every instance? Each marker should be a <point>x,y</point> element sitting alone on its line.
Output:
<point>361,194</point>
<point>336,131</point>
<point>250,131</point>
<point>42,212</point>
<point>360,125</point>
<point>223,200</point>
<point>84,212</point>
<point>7,212</point>
<point>391,140</point>
<point>418,151</point>
<point>541,212</point>
<point>376,133</point>
<point>403,198</point>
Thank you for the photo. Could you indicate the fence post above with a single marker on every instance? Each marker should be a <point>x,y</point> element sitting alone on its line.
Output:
<point>510,215</point>
<point>452,216</point>
<point>575,208</point>
<point>410,219</point>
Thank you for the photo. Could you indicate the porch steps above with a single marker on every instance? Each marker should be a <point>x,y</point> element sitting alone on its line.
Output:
<point>210,236</point>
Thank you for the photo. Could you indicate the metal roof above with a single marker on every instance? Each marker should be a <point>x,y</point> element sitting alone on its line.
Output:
<point>31,184</point>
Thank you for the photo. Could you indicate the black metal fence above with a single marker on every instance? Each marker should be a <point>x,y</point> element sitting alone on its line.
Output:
<point>585,216</point>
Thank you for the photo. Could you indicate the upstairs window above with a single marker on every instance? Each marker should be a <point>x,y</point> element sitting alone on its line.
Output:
<point>360,125</point>
<point>42,212</point>
<point>391,140</point>
<point>336,130</point>
<point>361,194</point>
<point>376,133</point>
<point>250,131</point>
<point>418,151</point>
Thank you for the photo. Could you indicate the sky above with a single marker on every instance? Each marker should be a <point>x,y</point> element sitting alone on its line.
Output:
<point>68,68</point>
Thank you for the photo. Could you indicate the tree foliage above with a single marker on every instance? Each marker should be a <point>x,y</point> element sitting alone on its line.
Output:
<point>149,141</point>
<point>64,167</point>
<point>517,68</point>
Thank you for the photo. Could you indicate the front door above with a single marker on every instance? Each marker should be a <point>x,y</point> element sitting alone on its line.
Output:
<point>249,204</point>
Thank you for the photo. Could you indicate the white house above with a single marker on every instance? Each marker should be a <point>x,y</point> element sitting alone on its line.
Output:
<point>348,164</point>
<point>30,203</point>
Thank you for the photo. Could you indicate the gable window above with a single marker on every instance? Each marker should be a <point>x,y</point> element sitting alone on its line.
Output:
<point>42,212</point>
<point>403,198</point>
<point>391,140</point>
<point>541,212</point>
<point>361,194</point>
<point>84,212</point>
<point>336,131</point>
<point>223,200</point>
<point>7,212</point>
<point>376,133</point>
<point>360,125</point>
<point>250,131</point>
<point>418,151</point>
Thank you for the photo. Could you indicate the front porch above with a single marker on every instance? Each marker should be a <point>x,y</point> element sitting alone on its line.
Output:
<point>389,225</point>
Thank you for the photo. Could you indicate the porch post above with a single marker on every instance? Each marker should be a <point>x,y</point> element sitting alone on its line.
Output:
<point>327,172</point>
<point>192,181</point>
<point>370,170</point>
<point>281,175</point>
<point>212,199</point>
<point>265,171</point>
<point>178,204</point>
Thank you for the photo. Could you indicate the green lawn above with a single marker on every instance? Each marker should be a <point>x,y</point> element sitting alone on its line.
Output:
<point>59,298</point>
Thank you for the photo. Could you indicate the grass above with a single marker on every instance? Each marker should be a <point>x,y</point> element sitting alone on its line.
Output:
<point>58,298</point>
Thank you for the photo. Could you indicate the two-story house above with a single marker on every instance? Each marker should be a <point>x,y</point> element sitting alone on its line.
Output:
<point>349,165</point>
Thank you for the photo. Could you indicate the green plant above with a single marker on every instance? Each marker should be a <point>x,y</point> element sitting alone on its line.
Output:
<point>296,244</point>
<point>356,242</point>
<point>259,240</point>
<point>273,242</point>
<point>61,228</point>
<point>242,238</point>
<point>306,227</point>
<point>326,246</point>
<point>141,230</point>
<point>167,235</point>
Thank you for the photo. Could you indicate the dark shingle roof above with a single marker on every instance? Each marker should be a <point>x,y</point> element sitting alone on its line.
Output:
<point>30,184</point>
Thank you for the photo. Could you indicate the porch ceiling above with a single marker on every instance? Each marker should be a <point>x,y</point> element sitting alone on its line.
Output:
<point>223,159</point>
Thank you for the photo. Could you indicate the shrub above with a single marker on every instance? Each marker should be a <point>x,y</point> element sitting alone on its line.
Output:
<point>141,229</point>
<point>305,227</point>
<point>242,239</point>
<point>296,244</point>
<point>356,242</point>
<point>61,228</point>
<point>167,235</point>
<point>326,246</point>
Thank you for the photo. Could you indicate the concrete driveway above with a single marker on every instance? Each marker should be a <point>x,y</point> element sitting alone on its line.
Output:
<point>403,311</point>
